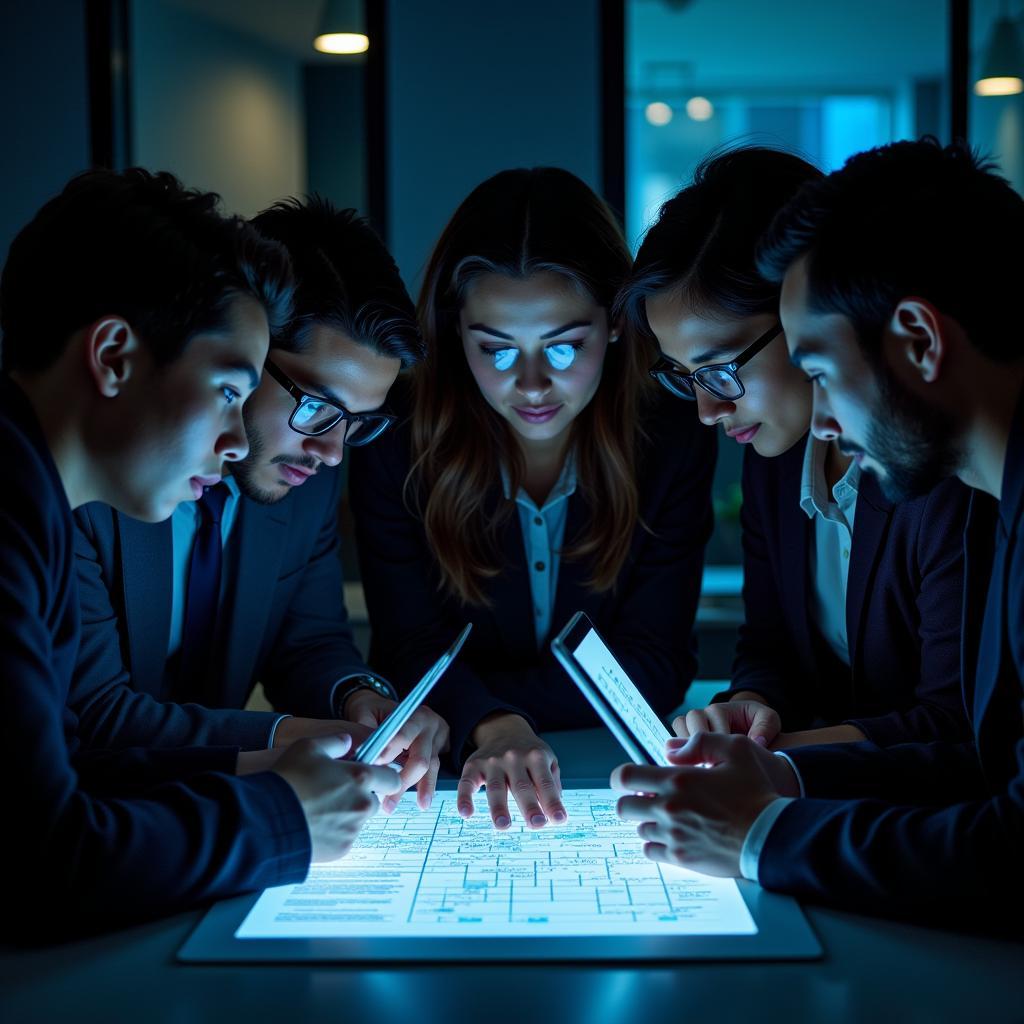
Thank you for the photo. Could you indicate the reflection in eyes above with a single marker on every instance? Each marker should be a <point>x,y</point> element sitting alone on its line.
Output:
<point>560,356</point>
<point>504,358</point>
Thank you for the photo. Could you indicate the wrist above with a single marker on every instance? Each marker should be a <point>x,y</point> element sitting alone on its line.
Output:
<point>747,695</point>
<point>363,682</point>
<point>496,723</point>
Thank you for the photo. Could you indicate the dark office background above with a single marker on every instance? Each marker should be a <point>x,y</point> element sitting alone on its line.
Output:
<point>628,94</point>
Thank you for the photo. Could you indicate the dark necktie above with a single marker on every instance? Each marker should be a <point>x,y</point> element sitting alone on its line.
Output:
<point>202,597</point>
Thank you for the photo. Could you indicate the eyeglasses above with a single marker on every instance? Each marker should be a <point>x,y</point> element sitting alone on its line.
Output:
<point>314,415</point>
<point>718,379</point>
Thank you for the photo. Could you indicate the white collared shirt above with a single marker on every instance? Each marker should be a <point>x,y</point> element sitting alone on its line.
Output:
<point>829,557</point>
<point>543,531</point>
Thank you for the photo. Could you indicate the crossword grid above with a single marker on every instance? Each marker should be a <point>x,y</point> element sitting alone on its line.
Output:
<point>433,873</point>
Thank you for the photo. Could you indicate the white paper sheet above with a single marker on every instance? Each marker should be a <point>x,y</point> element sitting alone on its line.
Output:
<point>620,691</point>
<point>430,873</point>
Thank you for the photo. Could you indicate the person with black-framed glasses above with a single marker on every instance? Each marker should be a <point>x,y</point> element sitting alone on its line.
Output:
<point>849,598</point>
<point>245,585</point>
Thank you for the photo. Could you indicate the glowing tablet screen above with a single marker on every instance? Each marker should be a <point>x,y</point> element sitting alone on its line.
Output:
<point>430,873</point>
<point>619,690</point>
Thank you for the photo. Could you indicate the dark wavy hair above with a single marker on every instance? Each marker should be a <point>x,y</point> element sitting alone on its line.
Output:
<point>705,239</point>
<point>138,245</point>
<point>909,219</point>
<point>518,223</point>
<point>345,277</point>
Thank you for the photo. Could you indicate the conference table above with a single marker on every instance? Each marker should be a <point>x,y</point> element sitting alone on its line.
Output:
<point>872,970</point>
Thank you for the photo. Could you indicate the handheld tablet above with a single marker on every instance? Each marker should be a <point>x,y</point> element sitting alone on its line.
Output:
<point>376,743</point>
<point>611,693</point>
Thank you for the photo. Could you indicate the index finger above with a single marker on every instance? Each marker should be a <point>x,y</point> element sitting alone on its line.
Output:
<point>643,778</point>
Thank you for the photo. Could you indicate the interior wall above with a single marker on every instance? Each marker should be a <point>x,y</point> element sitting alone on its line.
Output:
<point>222,110</point>
<point>44,119</point>
<point>473,89</point>
<point>335,133</point>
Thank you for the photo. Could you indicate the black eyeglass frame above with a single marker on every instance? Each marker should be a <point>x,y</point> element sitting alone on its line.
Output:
<point>667,369</point>
<point>376,422</point>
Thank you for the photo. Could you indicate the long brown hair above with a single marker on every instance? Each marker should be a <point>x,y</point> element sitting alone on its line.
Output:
<point>518,223</point>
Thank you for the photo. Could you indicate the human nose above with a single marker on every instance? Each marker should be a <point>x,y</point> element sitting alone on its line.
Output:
<point>824,425</point>
<point>533,381</point>
<point>711,409</point>
<point>233,445</point>
<point>328,447</point>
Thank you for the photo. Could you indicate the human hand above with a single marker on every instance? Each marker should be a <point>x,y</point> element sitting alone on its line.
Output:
<point>291,729</point>
<point>336,796</point>
<point>746,714</point>
<point>509,755</point>
<point>423,739</point>
<point>251,761</point>
<point>697,814</point>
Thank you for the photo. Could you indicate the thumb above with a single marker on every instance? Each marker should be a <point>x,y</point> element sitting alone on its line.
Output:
<point>764,726</point>
<point>332,746</point>
<point>703,748</point>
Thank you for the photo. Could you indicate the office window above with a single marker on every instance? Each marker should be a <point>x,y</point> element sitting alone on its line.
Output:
<point>996,121</point>
<point>823,81</point>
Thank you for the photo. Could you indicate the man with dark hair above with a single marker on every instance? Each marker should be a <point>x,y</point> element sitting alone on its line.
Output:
<point>127,388</point>
<point>172,649</point>
<point>900,279</point>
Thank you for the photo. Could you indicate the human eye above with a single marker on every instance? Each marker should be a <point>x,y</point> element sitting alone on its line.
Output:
<point>503,358</point>
<point>815,379</point>
<point>563,355</point>
<point>231,395</point>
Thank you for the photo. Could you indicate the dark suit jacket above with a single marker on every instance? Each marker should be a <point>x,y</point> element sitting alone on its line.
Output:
<point>940,831</point>
<point>98,839</point>
<point>903,601</point>
<point>647,619</point>
<point>283,623</point>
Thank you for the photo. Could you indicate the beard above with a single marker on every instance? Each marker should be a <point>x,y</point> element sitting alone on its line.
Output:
<point>245,471</point>
<point>915,444</point>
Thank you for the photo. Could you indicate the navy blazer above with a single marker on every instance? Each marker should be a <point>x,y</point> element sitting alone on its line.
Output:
<point>903,603</point>
<point>647,619</point>
<point>99,839</point>
<point>939,831</point>
<point>283,617</point>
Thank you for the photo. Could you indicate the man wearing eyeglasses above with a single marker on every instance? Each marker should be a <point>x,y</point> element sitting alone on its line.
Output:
<point>182,619</point>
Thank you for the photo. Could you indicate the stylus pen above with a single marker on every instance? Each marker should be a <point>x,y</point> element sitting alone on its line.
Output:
<point>376,743</point>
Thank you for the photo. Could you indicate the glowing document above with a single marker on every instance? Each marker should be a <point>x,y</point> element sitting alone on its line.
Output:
<point>430,873</point>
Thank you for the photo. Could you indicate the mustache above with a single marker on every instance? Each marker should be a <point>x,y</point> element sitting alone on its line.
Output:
<point>305,461</point>
<point>849,448</point>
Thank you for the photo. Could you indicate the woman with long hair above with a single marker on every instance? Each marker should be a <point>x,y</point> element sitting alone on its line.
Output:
<point>852,601</point>
<point>537,473</point>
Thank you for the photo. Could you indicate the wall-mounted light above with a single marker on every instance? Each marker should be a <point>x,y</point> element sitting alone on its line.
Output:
<point>657,113</point>
<point>341,28</point>
<point>1003,65</point>
<point>699,108</point>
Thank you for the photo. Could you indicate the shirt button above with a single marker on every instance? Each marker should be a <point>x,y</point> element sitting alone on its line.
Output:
<point>539,566</point>
<point>846,552</point>
<point>537,521</point>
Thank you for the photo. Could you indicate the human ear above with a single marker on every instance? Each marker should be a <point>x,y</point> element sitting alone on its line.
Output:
<point>111,352</point>
<point>614,332</point>
<point>917,339</point>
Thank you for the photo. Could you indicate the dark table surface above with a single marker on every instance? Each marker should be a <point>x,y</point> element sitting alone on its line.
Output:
<point>872,970</point>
